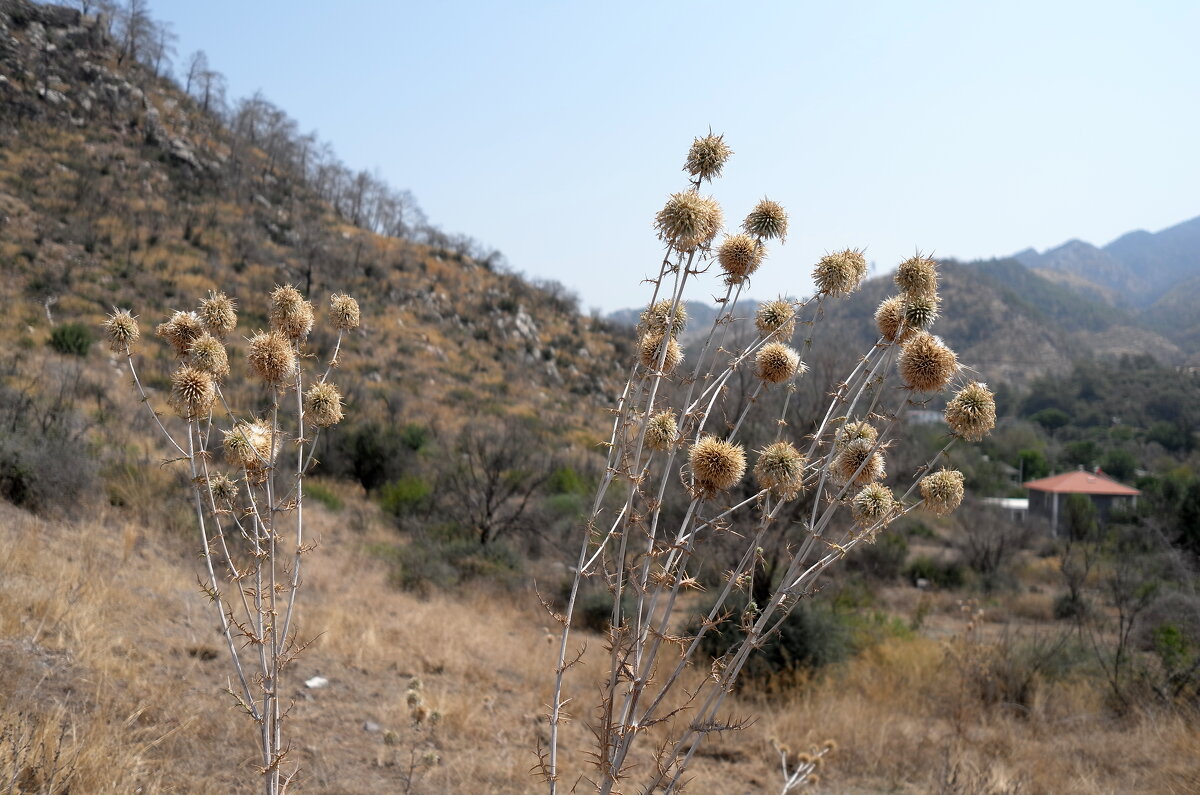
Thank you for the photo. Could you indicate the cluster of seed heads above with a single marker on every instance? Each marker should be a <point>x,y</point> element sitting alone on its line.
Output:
<point>776,362</point>
<point>926,364</point>
<point>663,315</point>
<point>972,412</point>
<point>717,465</point>
<point>776,318</point>
<point>841,273</point>
<point>661,430</point>
<point>942,491</point>
<point>650,350</point>
<point>689,221</point>
<point>780,470</point>
<point>706,157</point>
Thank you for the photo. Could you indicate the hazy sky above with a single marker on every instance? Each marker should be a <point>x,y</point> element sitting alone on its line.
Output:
<point>553,131</point>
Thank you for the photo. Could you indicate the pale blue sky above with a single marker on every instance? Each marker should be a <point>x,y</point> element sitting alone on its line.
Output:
<point>553,131</point>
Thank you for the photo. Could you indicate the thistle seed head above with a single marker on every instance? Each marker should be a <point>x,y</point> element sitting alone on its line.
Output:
<point>873,503</point>
<point>650,348</point>
<point>768,221</point>
<point>716,464</point>
<point>926,364</point>
<point>942,491</point>
<point>218,314</point>
<point>776,317</point>
<point>739,256</point>
<point>841,273</point>
<point>291,315</point>
<point>889,317</point>
<point>248,446</point>
<point>323,405</point>
<point>852,456</point>
<point>780,468</point>
<point>271,357</point>
<point>657,317</point>
<point>854,431</point>
<point>224,490</point>
<point>920,310</point>
<point>972,412</point>
<point>180,331</point>
<point>343,312</point>
<point>707,157</point>
<point>193,392</point>
<point>660,430</point>
<point>776,362</point>
<point>689,221</point>
<point>122,330</point>
<point>208,354</point>
<point>917,276</point>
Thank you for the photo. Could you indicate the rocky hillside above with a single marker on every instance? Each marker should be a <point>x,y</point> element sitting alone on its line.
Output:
<point>117,188</point>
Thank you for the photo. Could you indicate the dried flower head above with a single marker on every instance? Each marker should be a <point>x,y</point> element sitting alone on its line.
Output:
<point>291,315</point>
<point>323,405</point>
<point>656,318</point>
<point>920,310</point>
<point>890,316</point>
<point>208,354</point>
<point>343,312</point>
<point>224,490</point>
<point>768,220</point>
<point>689,221</point>
<point>858,454</point>
<point>972,412</point>
<point>776,317</point>
<point>780,468</point>
<point>942,491</point>
<point>271,357</point>
<point>739,256</point>
<point>248,446</point>
<point>917,276</point>
<point>776,362</point>
<point>661,430</point>
<point>853,431</point>
<point>122,330</point>
<point>218,314</point>
<point>192,391</point>
<point>650,348</point>
<point>874,503</point>
<point>840,273</point>
<point>926,364</point>
<point>716,464</point>
<point>707,157</point>
<point>180,331</point>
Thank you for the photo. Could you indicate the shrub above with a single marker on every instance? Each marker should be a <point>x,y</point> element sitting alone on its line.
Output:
<point>883,560</point>
<point>324,495</point>
<point>41,472</point>
<point>938,573</point>
<point>71,339</point>
<point>405,496</point>
<point>448,557</point>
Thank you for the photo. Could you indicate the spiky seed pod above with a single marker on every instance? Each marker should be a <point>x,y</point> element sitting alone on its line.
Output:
<point>780,468</point>
<point>776,317</point>
<point>920,310</point>
<point>853,431</point>
<point>122,330</point>
<point>840,273</point>
<point>917,276</point>
<point>248,446</point>
<point>661,430</point>
<point>768,220</point>
<point>180,331</point>
<point>707,157</point>
<point>343,312</point>
<point>873,503</point>
<point>852,456</point>
<point>926,364</point>
<point>224,490</point>
<point>323,405</point>
<point>291,315</point>
<point>972,412</point>
<point>657,317</point>
<point>739,256</point>
<point>218,314</point>
<point>650,347</point>
<point>942,491</point>
<point>716,464</point>
<point>689,221</point>
<point>271,357</point>
<point>193,391</point>
<point>208,354</point>
<point>890,316</point>
<point>776,362</point>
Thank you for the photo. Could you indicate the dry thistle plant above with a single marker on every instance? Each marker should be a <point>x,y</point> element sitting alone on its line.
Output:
<point>652,712</point>
<point>247,475</point>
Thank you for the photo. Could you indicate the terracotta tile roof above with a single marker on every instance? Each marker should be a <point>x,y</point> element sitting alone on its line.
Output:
<point>1082,483</point>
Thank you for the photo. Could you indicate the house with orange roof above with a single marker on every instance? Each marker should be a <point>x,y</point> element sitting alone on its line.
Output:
<point>1047,496</point>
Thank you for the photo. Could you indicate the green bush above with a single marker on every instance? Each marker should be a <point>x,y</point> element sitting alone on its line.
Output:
<point>323,495</point>
<point>405,496</point>
<point>883,560</point>
<point>939,573</point>
<point>593,610</point>
<point>71,339</point>
<point>446,558</point>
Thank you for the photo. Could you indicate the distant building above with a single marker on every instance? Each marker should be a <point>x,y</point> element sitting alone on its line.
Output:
<point>1016,509</point>
<point>1047,497</point>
